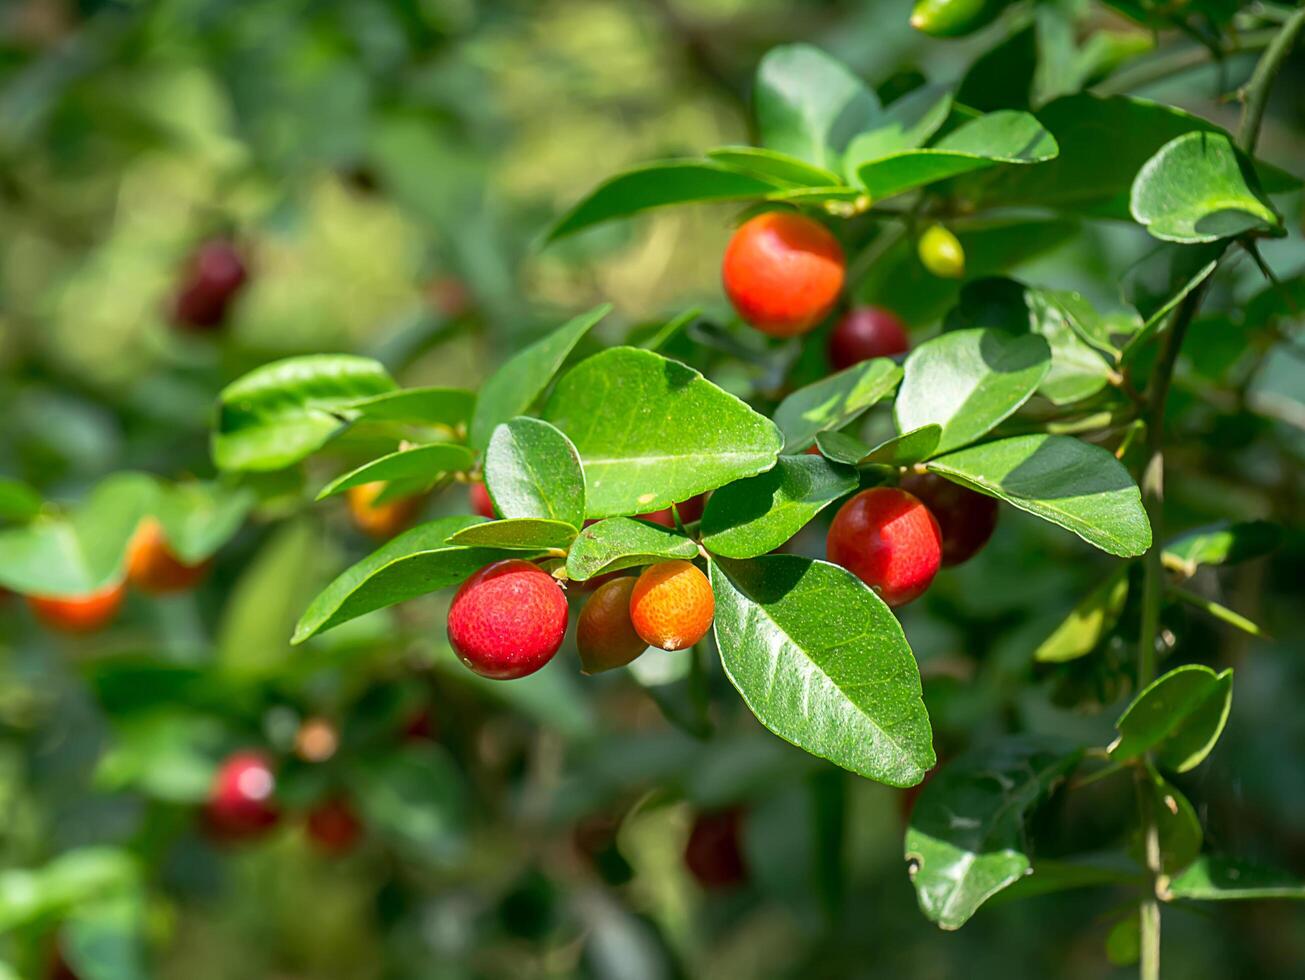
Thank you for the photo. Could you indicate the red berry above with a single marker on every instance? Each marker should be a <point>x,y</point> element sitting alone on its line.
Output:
<point>241,802</point>
<point>783,272</point>
<point>889,540</point>
<point>79,614</point>
<point>604,635</point>
<point>333,826</point>
<point>713,853</point>
<point>508,619</point>
<point>690,511</point>
<point>866,332</point>
<point>480,502</point>
<point>215,274</point>
<point>966,518</point>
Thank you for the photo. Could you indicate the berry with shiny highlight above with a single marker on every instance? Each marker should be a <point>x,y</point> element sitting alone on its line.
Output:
<point>508,620</point>
<point>888,539</point>
<point>672,605</point>
<point>783,272</point>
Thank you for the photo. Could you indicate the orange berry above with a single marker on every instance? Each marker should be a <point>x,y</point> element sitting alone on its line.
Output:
<point>153,567</point>
<point>671,606</point>
<point>380,520</point>
<point>604,634</point>
<point>79,614</point>
<point>783,272</point>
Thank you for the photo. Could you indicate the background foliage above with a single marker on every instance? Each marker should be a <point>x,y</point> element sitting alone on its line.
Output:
<point>392,169</point>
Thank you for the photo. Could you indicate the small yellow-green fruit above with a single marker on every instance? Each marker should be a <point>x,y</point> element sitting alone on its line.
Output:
<point>955,18</point>
<point>941,253</point>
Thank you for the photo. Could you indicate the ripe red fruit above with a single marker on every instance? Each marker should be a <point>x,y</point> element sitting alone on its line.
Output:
<point>690,511</point>
<point>333,826</point>
<point>480,502</point>
<point>888,539</point>
<point>604,634</point>
<point>713,854</point>
<point>241,802</point>
<point>508,619</point>
<point>79,614</point>
<point>966,518</point>
<point>866,332</point>
<point>783,272</point>
<point>672,605</point>
<point>214,276</point>
<point>153,567</point>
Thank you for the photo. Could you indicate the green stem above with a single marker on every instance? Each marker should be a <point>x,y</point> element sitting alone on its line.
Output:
<point>1257,89</point>
<point>1257,98</point>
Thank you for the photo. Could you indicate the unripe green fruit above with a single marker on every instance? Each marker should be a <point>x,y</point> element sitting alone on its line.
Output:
<point>955,18</point>
<point>941,253</point>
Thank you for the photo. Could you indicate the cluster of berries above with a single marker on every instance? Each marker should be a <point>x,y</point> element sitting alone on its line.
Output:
<point>784,273</point>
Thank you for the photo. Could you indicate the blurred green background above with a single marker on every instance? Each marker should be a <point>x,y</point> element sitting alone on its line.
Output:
<point>387,167</point>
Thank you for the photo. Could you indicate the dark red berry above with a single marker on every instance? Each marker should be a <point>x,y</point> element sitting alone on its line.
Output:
<point>714,852</point>
<point>966,518</point>
<point>864,333</point>
<point>213,277</point>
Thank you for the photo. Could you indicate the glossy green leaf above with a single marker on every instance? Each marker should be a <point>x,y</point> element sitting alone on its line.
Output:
<point>82,551</point>
<point>966,839</point>
<point>1177,718</point>
<point>658,185</point>
<point>1219,879</point>
<point>1080,339</point>
<point>414,563</point>
<point>1222,544</point>
<point>1104,142</point>
<point>515,386</point>
<point>1198,188</point>
<point>906,449</point>
<point>652,432</point>
<point>809,106</point>
<point>841,447</point>
<point>281,412</point>
<point>18,501</point>
<point>757,515</point>
<point>419,465</point>
<point>622,542</point>
<point>1074,484</point>
<point>1003,137</point>
<point>823,663</point>
<point>774,165</point>
<point>832,402</point>
<point>1089,622</point>
<point>518,533</point>
<point>967,381</point>
<point>419,406</point>
<point>905,125</point>
<point>532,470</point>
